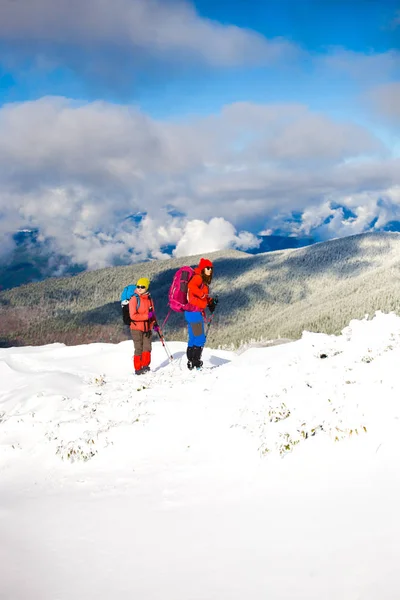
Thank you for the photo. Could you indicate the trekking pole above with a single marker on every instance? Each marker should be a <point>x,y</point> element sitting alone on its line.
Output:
<point>161,336</point>
<point>162,339</point>
<point>211,318</point>
<point>209,325</point>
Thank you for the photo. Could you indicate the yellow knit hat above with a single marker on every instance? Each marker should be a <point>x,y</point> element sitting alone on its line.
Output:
<point>143,281</point>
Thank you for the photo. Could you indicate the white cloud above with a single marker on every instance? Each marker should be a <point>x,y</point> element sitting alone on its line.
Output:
<point>369,66</point>
<point>218,234</point>
<point>386,100</point>
<point>314,216</point>
<point>317,137</point>
<point>158,28</point>
<point>77,171</point>
<point>328,219</point>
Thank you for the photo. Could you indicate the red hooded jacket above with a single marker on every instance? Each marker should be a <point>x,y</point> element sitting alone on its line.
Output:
<point>197,289</point>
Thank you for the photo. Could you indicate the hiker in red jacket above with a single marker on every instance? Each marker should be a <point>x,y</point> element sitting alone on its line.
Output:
<point>198,297</point>
<point>143,320</point>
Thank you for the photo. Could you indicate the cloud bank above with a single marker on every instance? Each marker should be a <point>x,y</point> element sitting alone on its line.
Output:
<point>386,100</point>
<point>98,35</point>
<point>77,172</point>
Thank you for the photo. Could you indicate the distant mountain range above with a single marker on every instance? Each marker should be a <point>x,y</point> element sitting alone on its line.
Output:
<point>33,261</point>
<point>266,296</point>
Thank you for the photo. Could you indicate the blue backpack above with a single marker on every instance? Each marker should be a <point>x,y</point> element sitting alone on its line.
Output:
<point>126,295</point>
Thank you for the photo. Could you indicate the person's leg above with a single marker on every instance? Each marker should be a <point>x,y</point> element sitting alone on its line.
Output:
<point>196,340</point>
<point>137,337</point>
<point>196,360</point>
<point>146,355</point>
<point>189,349</point>
<point>189,354</point>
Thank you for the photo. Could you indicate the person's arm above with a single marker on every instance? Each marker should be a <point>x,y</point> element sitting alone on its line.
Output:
<point>212,303</point>
<point>198,292</point>
<point>152,312</point>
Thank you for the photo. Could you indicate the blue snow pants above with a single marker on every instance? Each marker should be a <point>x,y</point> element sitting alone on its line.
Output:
<point>195,328</point>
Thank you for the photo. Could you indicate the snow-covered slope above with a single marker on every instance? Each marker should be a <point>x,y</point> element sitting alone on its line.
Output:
<point>270,474</point>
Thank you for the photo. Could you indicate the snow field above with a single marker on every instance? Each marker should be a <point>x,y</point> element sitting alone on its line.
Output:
<point>271,473</point>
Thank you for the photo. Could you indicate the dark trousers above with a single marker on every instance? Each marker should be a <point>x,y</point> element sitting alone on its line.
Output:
<point>141,341</point>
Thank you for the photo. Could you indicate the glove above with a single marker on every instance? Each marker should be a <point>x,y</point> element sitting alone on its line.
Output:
<point>212,305</point>
<point>156,327</point>
<point>151,315</point>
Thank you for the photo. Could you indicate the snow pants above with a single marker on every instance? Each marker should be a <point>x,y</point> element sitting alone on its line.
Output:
<point>196,333</point>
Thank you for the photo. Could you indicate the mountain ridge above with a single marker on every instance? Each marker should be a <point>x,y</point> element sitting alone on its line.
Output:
<point>32,260</point>
<point>262,297</point>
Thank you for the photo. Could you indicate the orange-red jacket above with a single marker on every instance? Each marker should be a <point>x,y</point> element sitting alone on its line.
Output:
<point>198,290</point>
<point>140,316</point>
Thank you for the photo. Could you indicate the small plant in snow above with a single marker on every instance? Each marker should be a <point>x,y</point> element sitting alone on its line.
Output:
<point>306,432</point>
<point>287,443</point>
<point>264,450</point>
<point>50,436</point>
<point>338,433</point>
<point>278,414</point>
<point>367,359</point>
<point>82,449</point>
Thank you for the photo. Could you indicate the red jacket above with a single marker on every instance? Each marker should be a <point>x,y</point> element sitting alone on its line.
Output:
<point>197,289</point>
<point>140,316</point>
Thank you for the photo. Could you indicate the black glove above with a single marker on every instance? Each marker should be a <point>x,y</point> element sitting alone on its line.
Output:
<point>212,305</point>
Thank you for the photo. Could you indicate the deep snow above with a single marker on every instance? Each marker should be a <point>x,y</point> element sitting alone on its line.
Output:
<point>272,473</point>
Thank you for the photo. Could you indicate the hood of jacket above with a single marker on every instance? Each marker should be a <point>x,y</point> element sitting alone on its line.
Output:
<point>204,262</point>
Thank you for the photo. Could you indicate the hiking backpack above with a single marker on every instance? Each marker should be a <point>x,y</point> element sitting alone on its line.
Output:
<point>126,295</point>
<point>178,292</point>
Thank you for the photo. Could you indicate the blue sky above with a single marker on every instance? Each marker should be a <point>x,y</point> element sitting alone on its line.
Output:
<point>235,113</point>
<point>316,26</point>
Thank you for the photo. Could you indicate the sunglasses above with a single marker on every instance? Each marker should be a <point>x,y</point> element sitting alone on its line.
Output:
<point>141,287</point>
<point>208,268</point>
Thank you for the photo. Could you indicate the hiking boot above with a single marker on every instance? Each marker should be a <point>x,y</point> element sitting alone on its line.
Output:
<point>196,357</point>
<point>145,369</point>
<point>189,354</point>
<point>139,372</point>
<point>146,359</point>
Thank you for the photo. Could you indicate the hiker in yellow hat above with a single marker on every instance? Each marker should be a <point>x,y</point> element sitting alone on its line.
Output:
<point>143,320</point>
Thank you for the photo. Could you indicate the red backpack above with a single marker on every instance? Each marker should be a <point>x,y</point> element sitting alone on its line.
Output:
<point>178,292</point>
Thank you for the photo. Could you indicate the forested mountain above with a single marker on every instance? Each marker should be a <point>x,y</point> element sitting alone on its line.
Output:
<point>262,297</point>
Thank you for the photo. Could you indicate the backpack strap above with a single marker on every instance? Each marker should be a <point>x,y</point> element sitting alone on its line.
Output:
<point>137,305</point>
<point>137,300</point>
